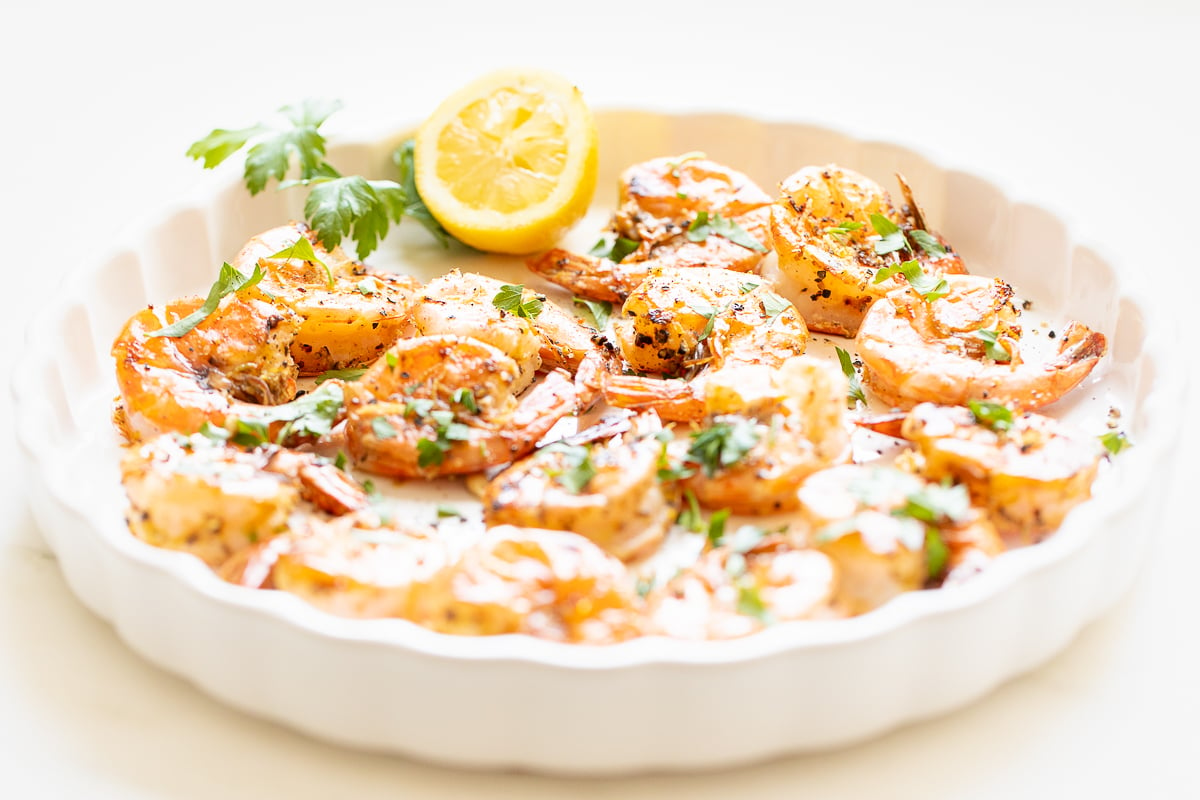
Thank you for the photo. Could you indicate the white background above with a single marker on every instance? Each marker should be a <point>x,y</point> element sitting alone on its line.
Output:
<point>1090,108</point>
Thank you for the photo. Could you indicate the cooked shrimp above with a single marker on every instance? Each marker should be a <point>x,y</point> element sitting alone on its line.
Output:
<point>734,591</point>
<point>697,321</point>
<point>822,231</point>
<point>660,206</point>
<point>550,584</point>
<point>349,313</point>
<point>607,491</point>
<point>461,304</point>
<point>213,500</point>
<point>767,429</point>
<point>889,532</point>
<point>1027,470</point>
<point>351,566</point>
<point>445,405</point>
<point>937,351</point>
<point>232,363</point>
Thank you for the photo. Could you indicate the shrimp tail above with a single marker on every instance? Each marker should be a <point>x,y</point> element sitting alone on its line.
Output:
<point>587,276</point>
<point>887,424</point>
<point>323,485</point>
<point>674,400</point>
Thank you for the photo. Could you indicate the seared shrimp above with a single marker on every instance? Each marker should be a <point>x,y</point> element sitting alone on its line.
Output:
<point>733,591</point>
<point>227,367</point>
<point>461,304</point>
<point>351,566</point>
<point>550,584</point>
<point>889,532</point>
<point>607,491</point>
<point>694,323</point>
<point>445,405</point>
<point>966,346</point>
<point>349,314</point>
<point>767,429</point>
<point>827,246</point>
<point>1027,470</point>
<point>668,207</point>
<point>213,500</point>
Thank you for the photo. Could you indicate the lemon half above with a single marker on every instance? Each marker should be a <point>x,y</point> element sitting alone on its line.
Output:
<point>508,163</point>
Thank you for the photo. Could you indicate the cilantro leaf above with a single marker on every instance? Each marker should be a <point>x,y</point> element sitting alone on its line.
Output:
<point>229,280</point>
<point>722,444</point>
<point>600,311</point>
<point>891,238</point>
<point>856,390</point>
<point>704,225</point>
<point>929,287</point>
<point>509,299</point>
<point>1115,442</point>
<point>991,415</point>
<point>992,347</point>
<point>928,242</point>
<point>617,251</point>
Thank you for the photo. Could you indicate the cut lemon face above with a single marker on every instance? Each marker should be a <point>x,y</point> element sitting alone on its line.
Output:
<point>508,163</point>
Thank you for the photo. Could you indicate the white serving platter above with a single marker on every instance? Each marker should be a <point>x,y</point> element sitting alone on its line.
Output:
<point>647,704</point>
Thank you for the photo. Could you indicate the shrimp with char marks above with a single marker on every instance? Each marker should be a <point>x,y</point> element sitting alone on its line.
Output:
<point>445,405</point>
<point>694,323</point>
<point>1026,469</point>
<point>966,345</point>
<point>825,229</point>
<point>685,211</point>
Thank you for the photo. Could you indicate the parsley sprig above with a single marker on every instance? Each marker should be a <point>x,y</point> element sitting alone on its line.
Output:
<point>616,251</point>
<point>704,225</point>
<point>893,239</point>
<point>229,280</point>
<point>337,205</point>
<point>510,299</point>
<point>722,445</point>
<point>855,393</point>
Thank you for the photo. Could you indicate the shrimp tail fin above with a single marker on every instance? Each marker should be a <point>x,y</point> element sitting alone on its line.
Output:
<point>586,276</point>
<point>674,400</point>
<point>887,424</point>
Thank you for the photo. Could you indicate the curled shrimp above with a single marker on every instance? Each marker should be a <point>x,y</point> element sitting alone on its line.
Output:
<point>1027,470</point>
<point>356,565</point>
<point>606,491</point>
<point>550,584</point>
<point>766,430</point>
<point>693,323</point>
<point>348,313</point>
<point>668,208</point>
<point>228,366</point>
<point>827,245</point>
<point>966,346</point>
<point>214,500</point>
<point>462,304</point>
<point>733,591</point>
<point>445,405</point>
<point>890,532</point>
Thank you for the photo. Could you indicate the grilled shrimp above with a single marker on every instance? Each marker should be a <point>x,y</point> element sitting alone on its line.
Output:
<point>733,591</point>
<point>767,429</point>
<point>348,314</point>
<point>213,500</point>
<point>461,304</point>
<point>823,234</point>
<point>1026,470</point>
<point>966,346</point>
<point>353,566</point>
<point>445,405</point>
<point>607,491</point>
<point>550,584</point>
<point>231,364</point>
<point>889,532</point>
<point>668,208</point>
<point>698,321</point>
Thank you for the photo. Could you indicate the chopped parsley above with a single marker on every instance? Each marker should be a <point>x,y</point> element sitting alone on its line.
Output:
<point>929,287</point>
<point>992,347</point>
<point>855,393</point>
<point>617,251</point>
<point>1115,442</point>
<point>722,444</point>
<point>509,299</point>
<point>992,415</point>
<point>716,526</point>
<point>599,310</point>
<point>844,228</point>
<point>690,518</point>
<point>579,469</point>
<point>382,428</point>
<point>348,374</point>
<point>303,250</point>
<point>431,452</point>
<point>229,280</point>
<point>466,399</point>
<point>703,226</point>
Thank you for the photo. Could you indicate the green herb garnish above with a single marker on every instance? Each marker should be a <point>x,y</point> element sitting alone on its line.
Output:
<point>991,415</point>
<point>929,287</point>
<point>579,469</point>
<point>703,226</point>
<point>509,299</point>
<point>229,280</point>
<point>347,374</point>
<point>599,310</point>
<point>617,251</point>
<point>1115,442</point>
<point>466,399</point>
<point>992,347</point>
<point>722,444</point>
<point>382,428</point>
<point>855,393</point>
<point>303,250</point>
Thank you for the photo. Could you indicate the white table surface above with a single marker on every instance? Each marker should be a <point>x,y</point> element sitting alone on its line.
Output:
<point>1089,107</point>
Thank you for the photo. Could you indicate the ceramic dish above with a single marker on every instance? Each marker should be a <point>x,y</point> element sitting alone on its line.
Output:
<point>514,701</point>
